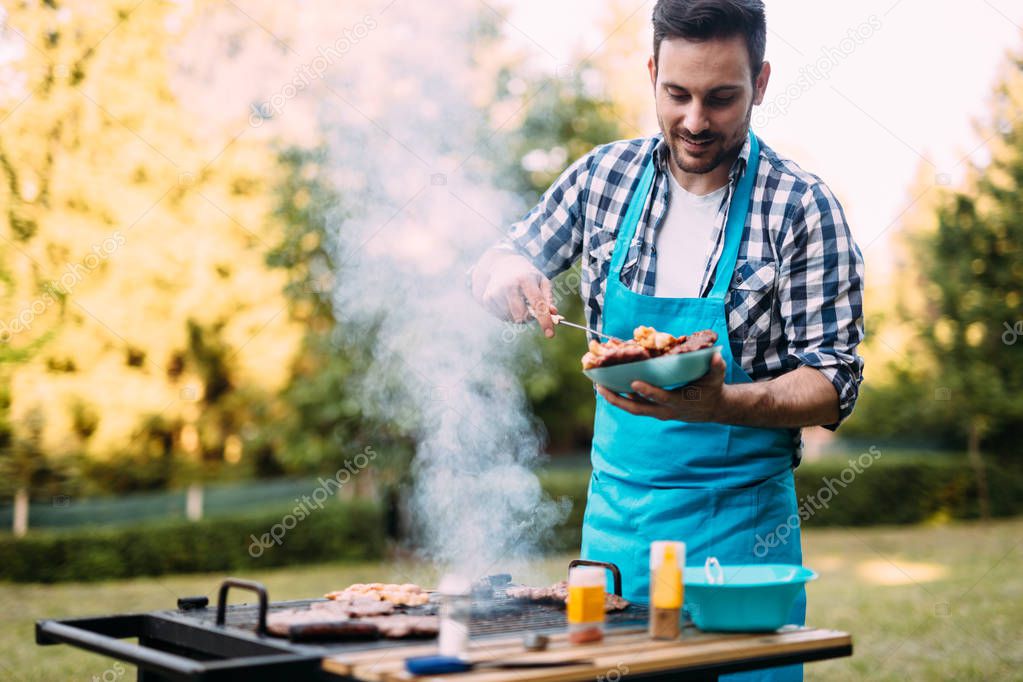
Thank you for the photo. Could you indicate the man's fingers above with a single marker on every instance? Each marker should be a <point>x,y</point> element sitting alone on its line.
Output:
<point>539,303</point>
<point>633,406</point>
<point>548,296</point>
<point>658,395</point>
<point>496,305</point>
<point>517,307</point>
<point>716,373</point>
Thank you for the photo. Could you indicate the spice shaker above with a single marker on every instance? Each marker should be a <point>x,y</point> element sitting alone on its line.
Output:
<point>455,609</point>
<point>666,588</point>
<point>586,586</point>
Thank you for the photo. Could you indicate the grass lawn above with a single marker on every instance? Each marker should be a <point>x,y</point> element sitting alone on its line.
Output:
<point>925,603</point>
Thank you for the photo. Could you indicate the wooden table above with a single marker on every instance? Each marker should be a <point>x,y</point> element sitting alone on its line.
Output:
<point>624,652</point>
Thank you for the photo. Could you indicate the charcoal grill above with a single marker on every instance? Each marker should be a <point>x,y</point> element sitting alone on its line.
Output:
<point>197,642</point>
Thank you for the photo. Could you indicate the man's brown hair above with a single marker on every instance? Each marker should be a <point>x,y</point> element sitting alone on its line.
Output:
<point>699,20</point>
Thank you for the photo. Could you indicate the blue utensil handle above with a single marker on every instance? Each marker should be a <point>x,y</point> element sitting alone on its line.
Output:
<point>436,665</point>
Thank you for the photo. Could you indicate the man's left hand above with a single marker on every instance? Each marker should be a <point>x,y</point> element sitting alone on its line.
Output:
<point>701,401</point>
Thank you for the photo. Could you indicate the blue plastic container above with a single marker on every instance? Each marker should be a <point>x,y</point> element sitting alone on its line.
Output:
<point>745,597</point>
<point>666,371</point>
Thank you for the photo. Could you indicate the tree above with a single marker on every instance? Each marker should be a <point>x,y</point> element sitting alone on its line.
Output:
<point>320,422</point>
<point>974,263</point>
<point>134,244</point>
<point>964,376</point>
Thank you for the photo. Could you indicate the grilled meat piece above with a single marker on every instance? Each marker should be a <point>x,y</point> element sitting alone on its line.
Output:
<point>407,594</point>
<point>554,594</point>
<point>278,623</point>
<point>354,608</point>
<point>404,626</point>
<point>653,340</point>
<point>333,631</point>
<point>614,353</point>
<point>646,343</point>
<point>695,341</point>
<point>347,620</point>
<point>558,594</point>
<point>612,602</point>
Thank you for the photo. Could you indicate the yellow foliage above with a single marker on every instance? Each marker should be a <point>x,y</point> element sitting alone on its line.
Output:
<point>142,225</point>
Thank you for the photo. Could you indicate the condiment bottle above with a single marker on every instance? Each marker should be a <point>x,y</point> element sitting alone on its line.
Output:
<point>455,609</point>
<point>586,604</point>
<point>666,589</point>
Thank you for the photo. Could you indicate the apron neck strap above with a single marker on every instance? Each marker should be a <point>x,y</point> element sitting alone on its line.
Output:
<point>735,225</point>
<point>627,229</point>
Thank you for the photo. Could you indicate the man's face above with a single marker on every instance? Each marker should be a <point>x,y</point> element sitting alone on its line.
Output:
<point>704,95</point>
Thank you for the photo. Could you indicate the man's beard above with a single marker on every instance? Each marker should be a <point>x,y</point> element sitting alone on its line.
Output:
<point>728,152</point>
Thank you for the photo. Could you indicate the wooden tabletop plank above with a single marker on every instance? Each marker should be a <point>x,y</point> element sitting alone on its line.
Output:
<point>378,662</point>
<point>631,648</point>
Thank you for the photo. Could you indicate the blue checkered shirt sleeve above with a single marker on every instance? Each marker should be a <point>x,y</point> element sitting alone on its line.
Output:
<point>820,294</point>
<point>551,234</point>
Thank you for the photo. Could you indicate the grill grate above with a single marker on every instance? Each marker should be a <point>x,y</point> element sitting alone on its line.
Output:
<point>500,615</point>
<point>507,616</point>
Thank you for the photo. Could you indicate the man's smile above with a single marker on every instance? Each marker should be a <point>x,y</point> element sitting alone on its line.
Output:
<point>697,145</point>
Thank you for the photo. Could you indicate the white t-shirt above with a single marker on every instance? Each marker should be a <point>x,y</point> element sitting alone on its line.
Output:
<point>684,240</point>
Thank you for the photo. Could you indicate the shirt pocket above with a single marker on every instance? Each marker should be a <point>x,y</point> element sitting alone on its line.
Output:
<point>598,256</point>
<point>751,297</point>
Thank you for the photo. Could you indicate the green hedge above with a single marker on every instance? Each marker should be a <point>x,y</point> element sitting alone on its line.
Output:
<point>912,490</point>
<point>897,490</point>
<point>335,532</point>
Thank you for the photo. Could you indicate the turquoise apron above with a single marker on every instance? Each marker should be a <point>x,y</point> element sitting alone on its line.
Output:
<point>713,487</point>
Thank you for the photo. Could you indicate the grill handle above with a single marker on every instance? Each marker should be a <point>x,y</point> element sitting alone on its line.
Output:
<point>52,632</point>
<point>615,573</point>
<point>251,585</point>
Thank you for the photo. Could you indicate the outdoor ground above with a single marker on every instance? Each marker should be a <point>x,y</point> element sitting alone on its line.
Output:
<point>926,603</point>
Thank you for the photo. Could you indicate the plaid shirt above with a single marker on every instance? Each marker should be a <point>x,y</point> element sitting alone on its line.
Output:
<point>796,296</point>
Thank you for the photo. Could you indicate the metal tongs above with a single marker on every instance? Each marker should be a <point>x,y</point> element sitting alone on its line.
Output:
<point>560,320</point>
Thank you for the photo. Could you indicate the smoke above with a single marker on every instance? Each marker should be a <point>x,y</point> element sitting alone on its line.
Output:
<point>405,133</point>
<point>398,95</point>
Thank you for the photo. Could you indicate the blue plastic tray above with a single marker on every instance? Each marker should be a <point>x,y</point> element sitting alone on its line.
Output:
<point>667,371</point>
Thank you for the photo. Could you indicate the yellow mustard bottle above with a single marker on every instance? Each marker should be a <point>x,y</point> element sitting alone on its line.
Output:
<point>585,612</point>
<point>666,589</point>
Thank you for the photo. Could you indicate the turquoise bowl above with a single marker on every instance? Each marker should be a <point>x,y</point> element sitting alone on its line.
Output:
<point>751,598</point>
<point>667,371</point>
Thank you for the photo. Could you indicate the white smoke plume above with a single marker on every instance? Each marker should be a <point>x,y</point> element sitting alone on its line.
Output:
<point>424,207</point>
<point>397,94</point>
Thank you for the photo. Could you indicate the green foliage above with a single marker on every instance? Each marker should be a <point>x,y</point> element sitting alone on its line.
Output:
<point>321,422</point>
<point>975,264</point>
<point>138,276</point>
<point>907,490</point>
<point>962,382</point>
<point>337,532</point>
<point>901,408</point>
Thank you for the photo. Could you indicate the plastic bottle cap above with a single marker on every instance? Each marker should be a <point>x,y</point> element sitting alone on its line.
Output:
<point>587,576</point>
<point>657,553</point>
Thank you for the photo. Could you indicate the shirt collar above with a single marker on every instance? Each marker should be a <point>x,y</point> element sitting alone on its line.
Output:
<point>661,152</point>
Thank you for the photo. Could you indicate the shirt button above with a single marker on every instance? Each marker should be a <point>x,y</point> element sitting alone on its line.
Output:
<point>738,279</point>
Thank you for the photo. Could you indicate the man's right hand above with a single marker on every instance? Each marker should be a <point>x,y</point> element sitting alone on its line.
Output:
<point>510,287</point>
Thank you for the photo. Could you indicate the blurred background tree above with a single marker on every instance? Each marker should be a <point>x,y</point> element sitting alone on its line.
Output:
<point>141,325</point>
<point>961,301</point>
<point>321,421</point>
